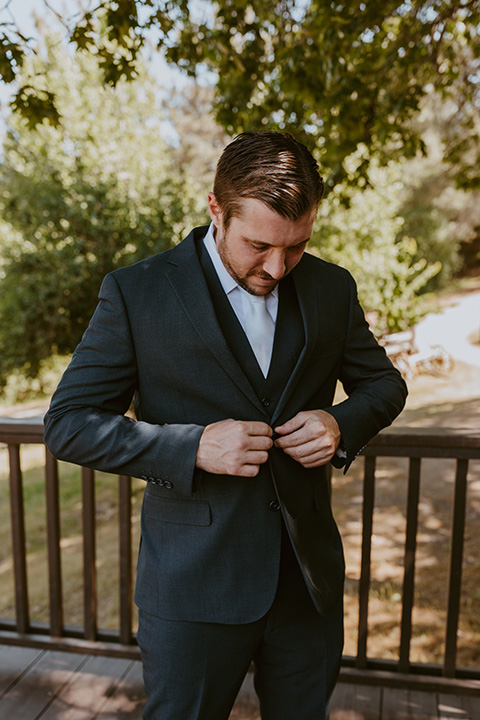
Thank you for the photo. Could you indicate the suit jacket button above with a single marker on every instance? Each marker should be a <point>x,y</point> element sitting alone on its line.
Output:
<point>266,402</point>
<point>168,484</point>
<point>274,505</point>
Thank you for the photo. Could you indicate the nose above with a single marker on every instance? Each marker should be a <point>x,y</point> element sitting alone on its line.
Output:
<point>275,264</point>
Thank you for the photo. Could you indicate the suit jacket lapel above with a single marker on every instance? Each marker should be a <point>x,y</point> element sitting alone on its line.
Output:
<point>308,300</point>
<point>189,284</point>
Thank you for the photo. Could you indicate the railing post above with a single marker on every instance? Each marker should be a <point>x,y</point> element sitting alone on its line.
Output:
<point>125,530</point>
<point>364,589</point>
<point>456,560</point>
<point>409,563</point>
<point>18,539</point>
<point>53,544</point>
<point>89,554</point>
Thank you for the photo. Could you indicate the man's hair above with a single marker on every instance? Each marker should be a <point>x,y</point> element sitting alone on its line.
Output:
<point>269,166</point>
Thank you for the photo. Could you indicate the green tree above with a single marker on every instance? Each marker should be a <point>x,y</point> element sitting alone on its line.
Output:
<point>340,74</point>
<point>369,239</point>
<point>99,191</point>
<point>443,215</point>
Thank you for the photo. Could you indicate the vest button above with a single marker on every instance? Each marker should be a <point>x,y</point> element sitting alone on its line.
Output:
<point>274,506</point>
<point>266,402</point>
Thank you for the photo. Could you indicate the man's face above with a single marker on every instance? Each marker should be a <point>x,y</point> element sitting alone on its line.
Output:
<point>260,246</point>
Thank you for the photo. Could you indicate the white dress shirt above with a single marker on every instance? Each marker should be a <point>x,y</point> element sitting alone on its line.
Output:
<point>238,297</point>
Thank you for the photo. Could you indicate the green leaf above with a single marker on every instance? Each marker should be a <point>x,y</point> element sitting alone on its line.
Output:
<point>36,106</point>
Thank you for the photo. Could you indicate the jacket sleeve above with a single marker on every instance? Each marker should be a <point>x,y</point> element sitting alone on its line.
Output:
<point>87,422</point>
<point>376,390</point>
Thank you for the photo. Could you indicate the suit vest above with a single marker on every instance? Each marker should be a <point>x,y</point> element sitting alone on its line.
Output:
<point>288,342</point>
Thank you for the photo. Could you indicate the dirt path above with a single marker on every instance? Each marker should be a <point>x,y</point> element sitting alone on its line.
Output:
<point>450,400</point>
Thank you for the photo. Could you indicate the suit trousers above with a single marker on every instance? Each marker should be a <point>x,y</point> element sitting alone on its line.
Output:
<point>193,671</point>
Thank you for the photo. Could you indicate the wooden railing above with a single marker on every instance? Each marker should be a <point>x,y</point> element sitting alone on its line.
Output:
<point>414,444</point>
<point>461,445</point>
<point>55,634</point>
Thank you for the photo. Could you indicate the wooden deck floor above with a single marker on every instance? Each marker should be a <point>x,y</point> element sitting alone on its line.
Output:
<point>48,685</point>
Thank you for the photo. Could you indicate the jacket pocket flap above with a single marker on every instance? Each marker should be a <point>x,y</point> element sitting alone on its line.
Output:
<point>183,512</point>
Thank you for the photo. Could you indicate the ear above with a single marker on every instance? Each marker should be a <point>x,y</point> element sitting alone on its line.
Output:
<point>215,211</point>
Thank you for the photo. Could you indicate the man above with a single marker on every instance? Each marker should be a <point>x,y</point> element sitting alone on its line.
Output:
<point>232,343</point>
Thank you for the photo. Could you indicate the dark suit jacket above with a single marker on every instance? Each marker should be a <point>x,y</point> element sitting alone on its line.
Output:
<point>211,544</point>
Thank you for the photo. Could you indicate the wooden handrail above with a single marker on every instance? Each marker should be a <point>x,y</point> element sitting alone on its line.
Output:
<point>30,430</point>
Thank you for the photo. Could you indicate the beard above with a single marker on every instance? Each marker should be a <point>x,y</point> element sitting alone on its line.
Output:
<point>243,280</point>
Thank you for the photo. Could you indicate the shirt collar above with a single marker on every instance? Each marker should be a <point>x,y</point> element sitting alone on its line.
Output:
<point>228,283</point>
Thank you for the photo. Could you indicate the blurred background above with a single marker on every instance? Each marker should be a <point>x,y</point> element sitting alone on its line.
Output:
<point>114,114</point>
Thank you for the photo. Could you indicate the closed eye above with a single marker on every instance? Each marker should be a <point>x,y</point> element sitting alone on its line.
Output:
<point>260,247</point>
<point>300,246</point>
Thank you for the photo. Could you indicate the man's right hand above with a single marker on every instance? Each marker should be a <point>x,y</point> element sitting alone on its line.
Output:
<point>234,447</point>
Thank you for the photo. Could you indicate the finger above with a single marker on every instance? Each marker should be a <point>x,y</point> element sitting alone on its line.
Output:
<point>258,429</point>
<point>291,440</point>
<point>313,459</point>
<point>306,433</point>
<point>247,443</point>
<point>248,470</point>
<point>303,450</point>
<point>258,442</point>
<point>311,430</point>
<point>315,462</point>
<point>256,458</point>
<point>291,425</point>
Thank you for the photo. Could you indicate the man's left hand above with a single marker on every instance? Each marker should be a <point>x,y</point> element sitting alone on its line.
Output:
<point>311,437</point>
